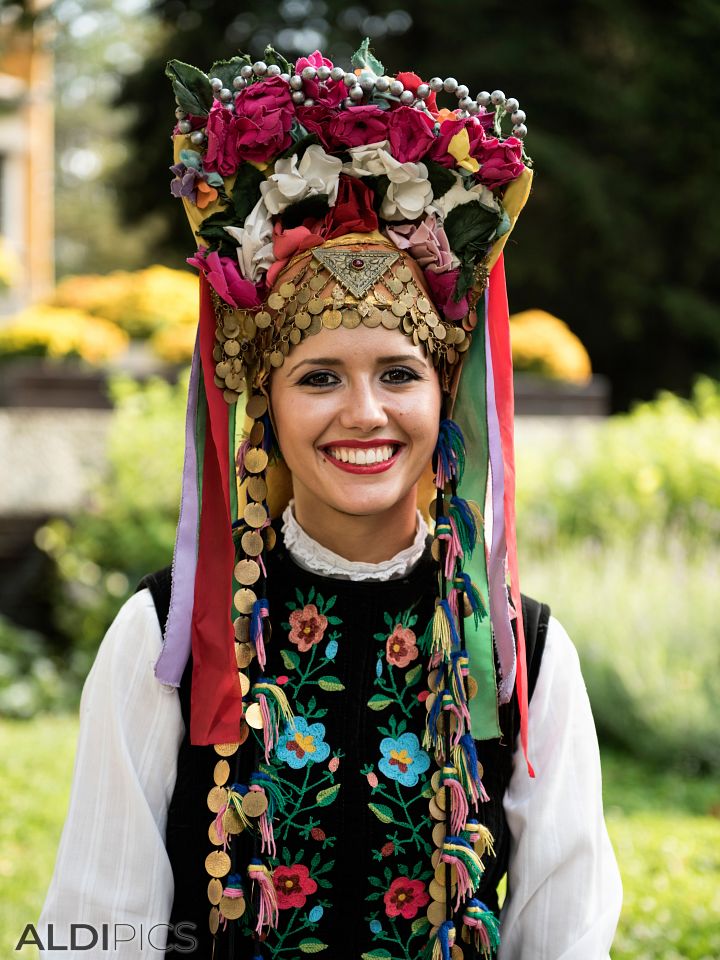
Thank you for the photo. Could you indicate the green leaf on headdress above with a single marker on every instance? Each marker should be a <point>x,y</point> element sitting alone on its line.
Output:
<point>227,70</point>
<point>362,59</point>
<point>301,141</point>
<point>273,58</point>
<point>213,233</point>
<point>313,208</point>
<point>246,191</point>
<point>191,87</point>
<point>441,179</point>
<point>470,227</point>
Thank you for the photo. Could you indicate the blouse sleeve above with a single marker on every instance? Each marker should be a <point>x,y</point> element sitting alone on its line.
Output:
<point>112,867</point>
<point>564,888</point>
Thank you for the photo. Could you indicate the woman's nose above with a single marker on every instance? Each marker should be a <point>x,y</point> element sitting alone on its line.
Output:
<point>362,409</point>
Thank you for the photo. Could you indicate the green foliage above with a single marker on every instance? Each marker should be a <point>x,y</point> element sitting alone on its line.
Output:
<point>31,679</point>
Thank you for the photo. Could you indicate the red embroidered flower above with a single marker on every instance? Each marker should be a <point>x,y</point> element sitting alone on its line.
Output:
<point>317,833</point>
<point>388,849</point>
<point>307,627</point>
<point>401,647</point>
<point>293,886</point>
<point>405,897</point>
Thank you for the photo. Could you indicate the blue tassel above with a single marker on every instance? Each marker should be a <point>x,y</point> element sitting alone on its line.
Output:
<point>449,453</point>
<point>465,522</point>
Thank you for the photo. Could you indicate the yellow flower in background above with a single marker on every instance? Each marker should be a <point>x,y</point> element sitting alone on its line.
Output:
<point>60,333</point>
<point>174,344</point>
<point>543,344</point>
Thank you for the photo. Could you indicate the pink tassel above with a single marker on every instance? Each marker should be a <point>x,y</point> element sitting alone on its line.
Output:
<point>260,611</point>
<point>268,835</point>
<point>219,826</point>
<point>267,907</point>
<point>464,884</point>
<point>270,730</point>
<point>460,808</point>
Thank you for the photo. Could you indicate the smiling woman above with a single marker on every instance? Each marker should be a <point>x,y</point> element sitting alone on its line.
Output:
<point>345,767</point>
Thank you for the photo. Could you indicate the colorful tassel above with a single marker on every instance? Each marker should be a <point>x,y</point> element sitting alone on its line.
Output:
<point>267,913</point>
<point>468,866</point>
<point>237,792</point>
<point>444,632</point>
<point>446,530</point>
<point>464,755</point>
<point>459,807</point>
<point>485,927</point>
<point>273,706</point>
<point>480,837</point>
<point>441,945</point>
<point>466,525</point>
<point>449,454</point>
<point>260,611</point>
<point>464,584</point>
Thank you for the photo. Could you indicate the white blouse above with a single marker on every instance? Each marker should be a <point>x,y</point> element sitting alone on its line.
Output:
<point>564,890</point>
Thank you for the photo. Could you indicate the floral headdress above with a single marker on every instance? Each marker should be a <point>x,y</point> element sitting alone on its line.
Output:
<point>321,197</point>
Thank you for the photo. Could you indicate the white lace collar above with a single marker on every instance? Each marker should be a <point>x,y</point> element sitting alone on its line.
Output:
<point>310,555</point>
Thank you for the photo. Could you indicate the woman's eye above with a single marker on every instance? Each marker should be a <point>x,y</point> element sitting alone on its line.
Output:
<point>399,375</point>
<point>319,378</point>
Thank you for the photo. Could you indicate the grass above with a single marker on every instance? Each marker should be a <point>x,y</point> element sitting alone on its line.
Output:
<point>665,828</point>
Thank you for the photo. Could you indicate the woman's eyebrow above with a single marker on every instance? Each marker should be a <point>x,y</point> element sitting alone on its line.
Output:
<point>337,362</point>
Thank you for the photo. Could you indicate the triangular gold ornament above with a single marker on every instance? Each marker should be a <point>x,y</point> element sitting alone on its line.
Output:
<point>356,270</point>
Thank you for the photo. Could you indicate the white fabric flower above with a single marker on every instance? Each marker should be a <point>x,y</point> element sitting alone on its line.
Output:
<point>255,247</point>
<point>291,181</point>
<point>457,195</point>
<point>409,190</point>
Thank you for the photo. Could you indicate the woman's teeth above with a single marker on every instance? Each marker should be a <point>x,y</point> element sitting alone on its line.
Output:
<point>357,455</point>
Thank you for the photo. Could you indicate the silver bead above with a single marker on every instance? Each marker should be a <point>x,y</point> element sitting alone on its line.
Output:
<point>497,97</point>
<point>356,93</point>
<point>423,91</point>
<point>336,74</point>
<point>511,105</point>
<point>407,98</point>
<point>239,83</point>
<point>184,126</point>
<point>367,83</point>
<point>466,103</point>
<point>473,109</point>
<point>296,82</point>
<point>216,84</point>
<point>308,73</point>
<point>246,71</point>
<point>285,77</point>
<point>520,130</point>
<point>349,79</point>
<point>347,103</point>
<point>298,97</point>
<point>382,84</point>
<point>274,70</point>
<point>436,84</point>
<point>197,137</point>
<point>396,88</point>
<point>259,68</point>
<point>180,113</point>
<point>483,99</point>
<point>225,95</point>
<point>323,73</point>
<point>309,102</point>
<point>518,117</point>
<point>450,85</point>
<point>462,92</point>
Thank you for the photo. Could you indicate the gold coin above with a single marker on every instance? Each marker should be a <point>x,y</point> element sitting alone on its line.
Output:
<point>255,515</point>
<point>433,680</point>
<point>244,653</point>
<point>441,871</point>
<point>284,347</point>
<point>303,296</point>
<point>423,331</point>
<point>232,822</point>
<point>286,289</point>
<point>350,318</point>
<point>213,835</point>
<point>252,544</point>
<point>472,688</point>
<point>423,305</point>
<point>254,803</point>
<point>256,406</point>
<point>233,381</point>
<point>244,600</point>
<point>231,329</point>
<point>407,325</point>
<point>276,301</point>
<point>440,799</point>
<point>226,749</point>
<point>331,319</point>
<point>255,461</point>
<point>436,913</point>
<point>249,326</point>
<point>435,858</point>
<point>438,834</point>
<point>390,320</point>
<point>398,309</point>
<point>244,732</point>
<point>440,331</point>
<point>263,319</point>
<point>435,812</point>
<point>219,382</point>
<point>244,683</point>
<point>429,701</point>
<point>315,306</point>
<point>394,285</point>
<point>435,778</point>
<point>218,353</point>
<point>317,282</point>
<point>277,358</point>
<point>437,890</point>
<point>217,798</point>
<point>303,320</point>
<point>431,319</point>
<point>232,348</point>
<point>221,772</point>
<point>230,396</point>
<point>257,489</point>
<point>456,951</point>
<point>253,716</point>
<point>232,908</point>
<point>257,433</point>
<point>217,863</point>
<point>247,572</point>
<point>404,273</point>
<point>464,345</point>
<point>215,889</point>
<point>223,369</point>
<point>295,336</point>
<point>214,920</point>
<point>374,318</point>
<point>451,355</point>
<point>242,629</point>
<point>315,326</point>
<point>270,537</point>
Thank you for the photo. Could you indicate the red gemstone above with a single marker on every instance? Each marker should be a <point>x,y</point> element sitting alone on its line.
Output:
<point>357,263</point>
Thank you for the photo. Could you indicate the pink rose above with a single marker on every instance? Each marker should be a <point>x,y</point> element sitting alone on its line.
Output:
<point>410,134</point>
<point>426,242</point>
<point>316,119</point>
<point>357,127</point>
<point>225,278</point>
<point>264,114</point>
<point>221,156</point>
<point>328,93</point>
<point>476,135</point>
<point>500,161</point>
<point>442,287</point>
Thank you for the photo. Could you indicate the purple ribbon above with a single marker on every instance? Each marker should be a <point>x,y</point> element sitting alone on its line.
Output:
<point>176,649</point>
<point>497,566</point>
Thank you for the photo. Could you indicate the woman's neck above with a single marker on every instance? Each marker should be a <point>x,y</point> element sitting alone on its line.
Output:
<point>365,539</point>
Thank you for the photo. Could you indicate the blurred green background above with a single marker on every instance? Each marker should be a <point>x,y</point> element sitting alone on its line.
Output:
<point>619,517</point>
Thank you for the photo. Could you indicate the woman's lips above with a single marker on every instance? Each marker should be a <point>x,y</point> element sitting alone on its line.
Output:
<point>363,457</point>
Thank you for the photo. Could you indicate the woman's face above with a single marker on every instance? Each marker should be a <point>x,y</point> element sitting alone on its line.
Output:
<point>356,414</point>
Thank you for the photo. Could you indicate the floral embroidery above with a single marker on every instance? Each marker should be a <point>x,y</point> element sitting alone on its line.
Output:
<point>307,627</point>
<point>403,759</point>
<point>293,885</point>
<point>401,647</point>
<point>405,897</point>
<point>302,743</point>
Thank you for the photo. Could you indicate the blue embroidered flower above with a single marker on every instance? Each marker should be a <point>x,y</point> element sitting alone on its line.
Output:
<point>315,914</point>
<point>331,650</point>
<point>375,926</point>
<point>379,668</point>
<point>403,759</point>
<point>301,744</point>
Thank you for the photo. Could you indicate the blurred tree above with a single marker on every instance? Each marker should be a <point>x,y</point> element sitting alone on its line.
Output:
<point>619,240</point>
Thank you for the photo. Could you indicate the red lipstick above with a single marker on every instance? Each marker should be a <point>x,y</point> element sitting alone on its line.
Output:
<point>362,468</point>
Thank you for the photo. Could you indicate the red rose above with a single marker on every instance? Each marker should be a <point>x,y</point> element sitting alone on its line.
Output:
<point>221,155</point>
<point>500,161</point>
<point>442,288</point>
<point>264,113</point>
<point>411,81</point>
<point>329,93</point>
<point>353,211</point>
<point>357,127</point>
<point>316,119</point>
<point>476,135</point>
<point>401,647</point>
<point>405,897</point>
<point>225,278</point>
<point>307,627</point>
<point>410,133</point>
<point>293,885</point>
